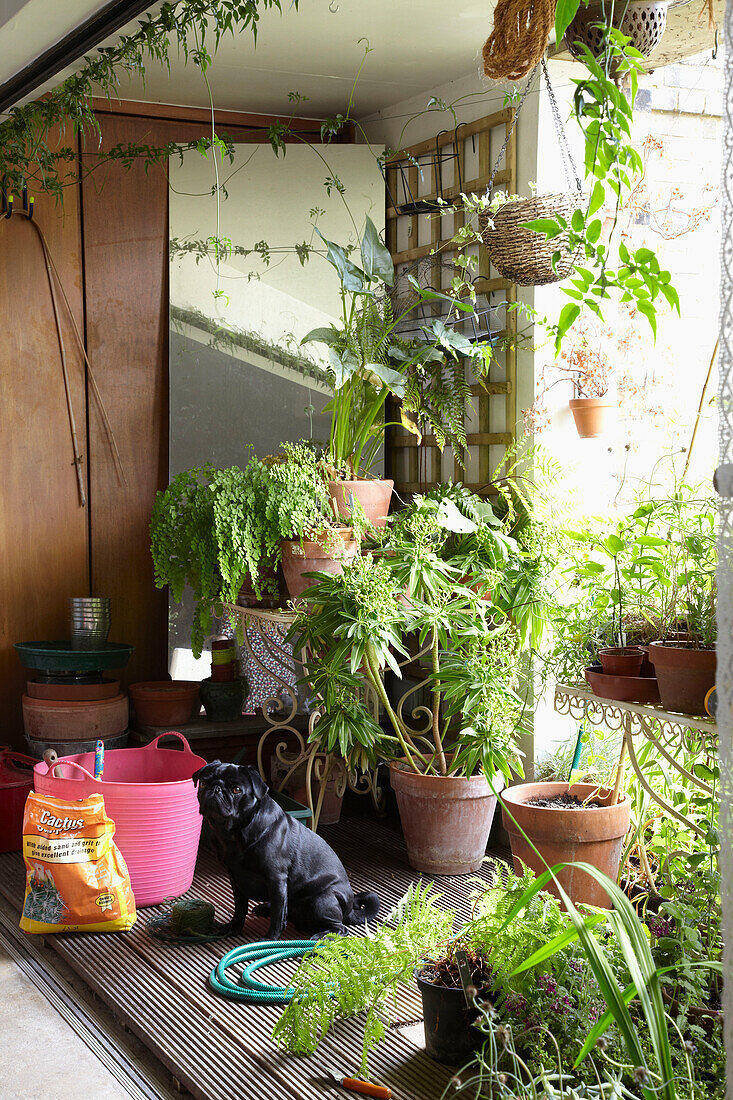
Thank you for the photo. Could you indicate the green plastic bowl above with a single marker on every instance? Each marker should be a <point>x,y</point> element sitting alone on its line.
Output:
<point>60,657</point>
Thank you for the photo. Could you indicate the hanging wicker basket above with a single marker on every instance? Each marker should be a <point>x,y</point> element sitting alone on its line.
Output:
<point>644,22</point>
<point>521,255</point>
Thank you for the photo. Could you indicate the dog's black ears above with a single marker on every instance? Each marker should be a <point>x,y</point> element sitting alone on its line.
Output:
<point>206,770</point>
<point>259,787</point>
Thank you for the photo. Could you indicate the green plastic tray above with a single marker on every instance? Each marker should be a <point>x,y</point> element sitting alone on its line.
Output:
<point>60,657</point>
<point>291,807</point>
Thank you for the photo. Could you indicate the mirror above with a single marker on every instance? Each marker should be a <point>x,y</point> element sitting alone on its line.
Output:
<point>245,287</point>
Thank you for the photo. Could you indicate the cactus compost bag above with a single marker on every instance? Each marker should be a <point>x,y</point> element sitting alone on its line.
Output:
<point>76,878</point>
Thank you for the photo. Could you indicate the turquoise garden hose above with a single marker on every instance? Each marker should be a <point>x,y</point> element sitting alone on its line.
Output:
<point>257,955</point>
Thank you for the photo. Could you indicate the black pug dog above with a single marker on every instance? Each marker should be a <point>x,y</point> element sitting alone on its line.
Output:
<point>272,858</point>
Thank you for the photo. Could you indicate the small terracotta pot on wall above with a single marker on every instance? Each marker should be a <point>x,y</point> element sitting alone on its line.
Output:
<point>446,821</point>
<point>310,557</point>
<point>595,836</point>
<point>684,675</point>
<point>590,415</point>
<point>373,495</point>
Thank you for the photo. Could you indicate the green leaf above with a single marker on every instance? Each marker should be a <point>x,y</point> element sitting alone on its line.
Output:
<point>564,15</point>
<point>647,309</point>
<point>329,336</point>
<point>597,199</point>
<point>549,226</point>
<point>375,256</point>
<point>391,378</point>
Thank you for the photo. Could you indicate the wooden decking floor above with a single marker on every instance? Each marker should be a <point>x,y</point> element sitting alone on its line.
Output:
<point>220,1049</point>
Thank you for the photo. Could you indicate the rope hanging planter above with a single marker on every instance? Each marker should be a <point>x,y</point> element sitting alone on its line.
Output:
<point>522,255</point>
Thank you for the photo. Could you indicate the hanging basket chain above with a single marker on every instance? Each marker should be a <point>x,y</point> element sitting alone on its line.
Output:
<point>520,254</point>
<point>571,172</point>
<point>510,131</point>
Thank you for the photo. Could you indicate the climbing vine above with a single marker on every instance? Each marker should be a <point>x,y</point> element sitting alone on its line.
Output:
<point>33,155</point>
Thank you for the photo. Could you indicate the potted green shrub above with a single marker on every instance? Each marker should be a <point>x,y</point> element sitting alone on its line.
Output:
<point>684,657</point>
<point>355,626</point>
<point>217,529</point>
<point>210,529</point>
<point>370,361</point>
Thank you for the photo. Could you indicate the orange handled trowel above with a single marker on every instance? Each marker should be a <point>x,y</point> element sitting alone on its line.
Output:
<point>355,1085</point>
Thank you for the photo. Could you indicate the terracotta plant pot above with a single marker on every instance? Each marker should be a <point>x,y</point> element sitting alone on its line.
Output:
<point>373,495</point>
<point>594,835</point>
<point>223,702</point>
<point>589,414</point>
<point>310,557</point>
<point>684,675</point>
<point>165,702</point>
<point>63,720</point>
<point>446,821</point>
<point>76,693</point>
<point>273,578</point>
<point>621,660</point>
<point>622,689</point>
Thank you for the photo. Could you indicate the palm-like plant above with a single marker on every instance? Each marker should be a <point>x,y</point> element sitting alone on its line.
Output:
<point>369,361</point>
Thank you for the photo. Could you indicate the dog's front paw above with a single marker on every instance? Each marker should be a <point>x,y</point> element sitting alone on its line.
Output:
<point>275,931</point>
<point>231,928</point>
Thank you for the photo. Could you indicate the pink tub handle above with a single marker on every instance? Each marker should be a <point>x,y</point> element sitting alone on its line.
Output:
<point>72,764</point>
<point>171,733</point>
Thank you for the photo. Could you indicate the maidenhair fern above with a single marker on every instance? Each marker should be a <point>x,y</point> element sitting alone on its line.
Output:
<point>348,975</point>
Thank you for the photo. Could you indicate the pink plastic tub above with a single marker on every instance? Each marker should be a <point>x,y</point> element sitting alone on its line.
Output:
<point>151,798</point>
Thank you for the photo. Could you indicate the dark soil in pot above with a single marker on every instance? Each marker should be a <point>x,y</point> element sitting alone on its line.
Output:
<point>562,802</point>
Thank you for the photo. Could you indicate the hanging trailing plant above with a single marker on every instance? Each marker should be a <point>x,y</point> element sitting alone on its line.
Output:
<point>30,152</point>
<point>604,111</point>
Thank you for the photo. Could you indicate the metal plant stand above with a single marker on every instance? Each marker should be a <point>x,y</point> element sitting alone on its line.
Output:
<point>263,635</point>
<point>667,731</point>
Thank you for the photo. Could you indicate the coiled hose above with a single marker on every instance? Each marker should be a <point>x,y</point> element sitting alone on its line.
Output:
<point>257,955</point>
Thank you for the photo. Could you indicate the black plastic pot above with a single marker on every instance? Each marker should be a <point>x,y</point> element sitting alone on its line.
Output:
<point>449,1036</point>
<point>223,702</point>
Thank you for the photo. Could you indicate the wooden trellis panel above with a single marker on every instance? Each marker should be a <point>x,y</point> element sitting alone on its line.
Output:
<point>413,237</point>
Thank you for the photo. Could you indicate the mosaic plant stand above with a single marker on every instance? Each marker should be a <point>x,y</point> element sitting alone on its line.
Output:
<point>263,635</point>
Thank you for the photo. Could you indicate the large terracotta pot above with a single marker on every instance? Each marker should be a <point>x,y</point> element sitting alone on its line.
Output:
<point>373,495</point>
<point>446,821</point>
<point>589,414</point>
<point>594,836</point>
<point>684,676</point>
<point>310,557</point>
<point>65,720</point>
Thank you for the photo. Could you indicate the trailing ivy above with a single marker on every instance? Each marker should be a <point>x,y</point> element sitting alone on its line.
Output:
<point>601,272</point>
<point>30,152</point>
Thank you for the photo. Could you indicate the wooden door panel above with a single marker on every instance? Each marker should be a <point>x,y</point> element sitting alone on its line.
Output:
<point>43,528</point>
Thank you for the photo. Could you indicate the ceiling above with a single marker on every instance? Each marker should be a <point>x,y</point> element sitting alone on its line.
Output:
<point>29,27</point>
<point>314,50</point>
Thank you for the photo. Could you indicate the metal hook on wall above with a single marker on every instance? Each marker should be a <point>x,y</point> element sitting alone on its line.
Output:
<point>333,7</point>
<point>7,203</point>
